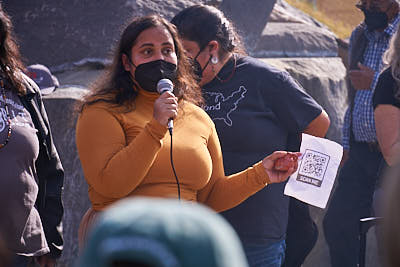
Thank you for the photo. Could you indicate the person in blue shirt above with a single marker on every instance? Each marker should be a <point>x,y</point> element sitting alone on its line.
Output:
<point>363,159</point>
<point>255,108</point>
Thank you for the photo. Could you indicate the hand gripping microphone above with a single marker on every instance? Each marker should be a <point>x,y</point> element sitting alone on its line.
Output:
<point>163,86</point>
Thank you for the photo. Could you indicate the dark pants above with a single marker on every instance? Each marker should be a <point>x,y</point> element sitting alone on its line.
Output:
<point>351,201</point>
<point>24,261</point>
<point>301,235</point>
<point>265,256</point>
<point>21,261</point>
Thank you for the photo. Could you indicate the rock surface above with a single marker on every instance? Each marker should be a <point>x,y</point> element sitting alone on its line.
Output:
<point>249,16</point>
<point>283,12</point>
<point>60,107</point>
<point>58,33</point>
<point>295,40</point>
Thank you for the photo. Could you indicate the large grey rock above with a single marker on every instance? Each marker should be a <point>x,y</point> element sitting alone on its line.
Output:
<point>249,17</point>
<point>57,33</point>
<point>295,40</point>
<point>323,79</point>
<point>81,75</point>
<point>60,107</point>
<point>283,12</point>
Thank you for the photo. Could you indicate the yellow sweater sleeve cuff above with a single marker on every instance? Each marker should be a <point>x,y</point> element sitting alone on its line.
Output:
<point>155,129</point>
<point>261,175</point>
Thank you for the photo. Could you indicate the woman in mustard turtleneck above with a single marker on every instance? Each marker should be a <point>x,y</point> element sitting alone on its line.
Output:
<point>122,135</point>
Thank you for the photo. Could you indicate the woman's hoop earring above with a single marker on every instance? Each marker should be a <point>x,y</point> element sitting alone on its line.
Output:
<point>214,60</point>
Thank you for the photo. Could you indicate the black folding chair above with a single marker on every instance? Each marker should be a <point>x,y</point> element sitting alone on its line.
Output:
<point>365,225</point>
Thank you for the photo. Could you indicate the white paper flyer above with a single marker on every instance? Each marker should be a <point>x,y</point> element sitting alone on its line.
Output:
<point>313,181</point>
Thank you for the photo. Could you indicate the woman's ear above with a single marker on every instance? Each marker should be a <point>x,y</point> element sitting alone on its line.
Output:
<point>214,48</point>
<point>126,62</point>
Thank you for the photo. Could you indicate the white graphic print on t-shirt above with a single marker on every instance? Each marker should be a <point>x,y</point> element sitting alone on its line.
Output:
<point>17,114</point>
<point>220,107</point>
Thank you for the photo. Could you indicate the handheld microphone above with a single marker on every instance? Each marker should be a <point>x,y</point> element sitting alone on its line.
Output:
<point>163,86</point>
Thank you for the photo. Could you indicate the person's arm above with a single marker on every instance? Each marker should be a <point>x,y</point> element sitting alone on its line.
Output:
<point>113,167</point>
<point>387,124</point>
<point>225,192</point>
<point>50,174</point>
<point>319,126</point>
<point>346,131</point>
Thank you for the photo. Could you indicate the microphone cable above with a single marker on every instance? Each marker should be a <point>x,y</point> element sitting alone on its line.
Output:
<point>173,167</point>
<point>164,85</point>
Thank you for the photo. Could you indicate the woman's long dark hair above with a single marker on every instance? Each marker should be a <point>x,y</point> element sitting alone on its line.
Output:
<point>203,23</point>
<point>10,58</point>
<point>117,86</point>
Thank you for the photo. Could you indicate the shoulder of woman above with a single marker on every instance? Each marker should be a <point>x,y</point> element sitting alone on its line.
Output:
<point>385,80</point>
<point>100,107</point>
<point>386,72</point>
<point>263,69</point>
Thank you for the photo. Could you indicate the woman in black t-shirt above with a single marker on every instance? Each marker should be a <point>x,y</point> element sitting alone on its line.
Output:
<point>386,102</point>
<point>255,108</point>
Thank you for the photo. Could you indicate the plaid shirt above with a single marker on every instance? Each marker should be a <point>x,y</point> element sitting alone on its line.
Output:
<point>363,113</point>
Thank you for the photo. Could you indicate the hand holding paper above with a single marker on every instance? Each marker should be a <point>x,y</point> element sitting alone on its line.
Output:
<point>278,176</point>
<point>313,181</point>
<point>284,163</point>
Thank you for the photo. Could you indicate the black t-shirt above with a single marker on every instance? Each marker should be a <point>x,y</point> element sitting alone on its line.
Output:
<point>385,90</point>
<point>257,109</point>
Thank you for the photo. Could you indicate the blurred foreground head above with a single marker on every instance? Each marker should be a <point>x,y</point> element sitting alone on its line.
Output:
<point>162,233</point>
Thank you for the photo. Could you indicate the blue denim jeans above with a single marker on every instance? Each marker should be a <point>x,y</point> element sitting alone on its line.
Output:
<point>271,255</point>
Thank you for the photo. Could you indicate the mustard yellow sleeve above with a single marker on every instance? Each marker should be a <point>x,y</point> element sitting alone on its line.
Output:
<point>225,192</point>
<point>111,166</point>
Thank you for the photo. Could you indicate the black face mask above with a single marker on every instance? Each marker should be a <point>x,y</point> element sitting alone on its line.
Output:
<point>148,74</point>
<point>198,71</point>
<point>375,20</point>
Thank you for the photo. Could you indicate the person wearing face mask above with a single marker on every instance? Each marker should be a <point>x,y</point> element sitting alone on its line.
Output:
<point>122,136</point>
<point>362,160</point>
<point>255,108</point>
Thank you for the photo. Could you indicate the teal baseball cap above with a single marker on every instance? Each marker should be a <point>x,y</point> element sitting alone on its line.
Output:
<point>162,233</point>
